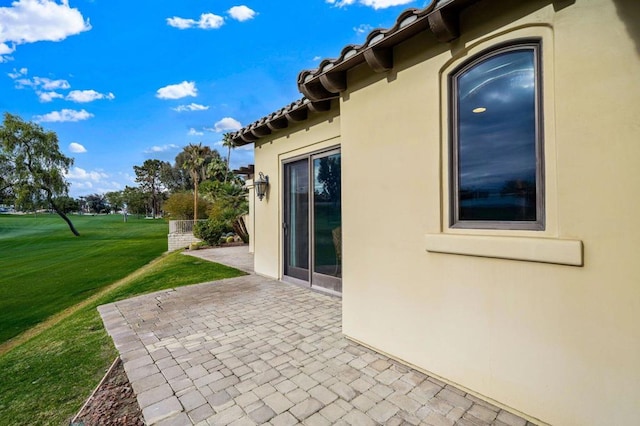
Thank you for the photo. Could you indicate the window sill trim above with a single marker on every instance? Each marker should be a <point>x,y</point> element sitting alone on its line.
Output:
<point>542,250</point>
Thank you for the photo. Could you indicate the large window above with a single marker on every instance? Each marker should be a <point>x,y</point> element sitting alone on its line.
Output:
<point>496,141</point>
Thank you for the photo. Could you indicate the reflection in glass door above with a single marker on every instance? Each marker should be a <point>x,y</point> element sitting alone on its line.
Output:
<point>296,221</point>
<point>312,227</point>
<point>327,222</point>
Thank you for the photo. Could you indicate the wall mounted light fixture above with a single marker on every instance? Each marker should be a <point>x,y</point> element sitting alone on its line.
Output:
<point>261,184</point>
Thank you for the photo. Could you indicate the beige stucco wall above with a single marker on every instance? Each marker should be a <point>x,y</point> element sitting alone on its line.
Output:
<point>558,343</point>
<point>251,217</point>
<point>320,131</point>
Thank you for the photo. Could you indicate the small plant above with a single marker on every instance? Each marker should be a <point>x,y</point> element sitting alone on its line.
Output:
<point>230,239</point>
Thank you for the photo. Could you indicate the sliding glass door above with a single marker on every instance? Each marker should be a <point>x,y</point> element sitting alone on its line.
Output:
<point>313,221</point>
<point>296,221</point>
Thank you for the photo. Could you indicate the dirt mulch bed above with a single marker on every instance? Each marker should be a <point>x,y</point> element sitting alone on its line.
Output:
<point>113,402</point>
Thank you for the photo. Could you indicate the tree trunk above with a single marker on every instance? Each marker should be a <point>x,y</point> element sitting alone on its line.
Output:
<point>62,215</point>
<point>240,228</point>
<point>226,174</point>
<point>195,201</point>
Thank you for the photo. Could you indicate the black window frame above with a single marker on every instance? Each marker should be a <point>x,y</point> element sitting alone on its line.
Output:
<point>534,45</point>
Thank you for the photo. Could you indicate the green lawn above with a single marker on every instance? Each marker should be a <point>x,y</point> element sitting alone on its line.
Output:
<point>44,268</point>
<point>46,380</point>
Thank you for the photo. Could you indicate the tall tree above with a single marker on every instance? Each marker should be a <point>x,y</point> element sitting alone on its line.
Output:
<point>195,160</point>
<point>148,176</point>
<point>135,200</point>
<point>227,141</point>
<point>175,178</point>
<point>115,200</point>
<point>67,204</point>
<point>32,163</point>
<point>97,203</point>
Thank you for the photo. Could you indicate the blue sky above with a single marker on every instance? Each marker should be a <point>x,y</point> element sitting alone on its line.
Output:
<point>124,81</point>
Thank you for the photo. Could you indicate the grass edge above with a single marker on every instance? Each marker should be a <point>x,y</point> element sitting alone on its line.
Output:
<point>55,319</point>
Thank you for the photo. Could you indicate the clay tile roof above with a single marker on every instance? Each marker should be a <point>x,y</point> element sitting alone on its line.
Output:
<point>324,83</point>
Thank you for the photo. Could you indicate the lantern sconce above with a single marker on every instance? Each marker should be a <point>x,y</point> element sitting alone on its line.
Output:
<point>261,184</point>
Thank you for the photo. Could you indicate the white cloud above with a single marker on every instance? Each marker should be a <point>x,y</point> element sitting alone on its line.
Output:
<point>227,124</point>
<point>376,4</point>
<point>82,96</point>
<point>63,116</point>
<point>39,82</point>
<point>241,13</point>
<point>18,73</point>
<point>164,148</point>
<point>77,173</point>
<point>341,3</point>
<point>44,87</point>
<point>363,29</point>
<point>85,182</point>
<point>207,21</point>
<point>317,58</point>
<point>190,107</point>
<point>49,96</point>
<point>181,23</point>
<point>178,91</point>
<point>383,4</point>
<point>49,84</point>
<point>77,148</point>
<point>90,181</point>
<point>5,51</point>
<point>30,21</point>
<point>194,132</point>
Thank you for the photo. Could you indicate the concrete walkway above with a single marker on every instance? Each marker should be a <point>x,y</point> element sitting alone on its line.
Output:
<point>236,256</point>
<point>250,350</point>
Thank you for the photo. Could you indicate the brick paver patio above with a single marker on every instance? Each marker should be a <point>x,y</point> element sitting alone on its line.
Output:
<point>251,350</point>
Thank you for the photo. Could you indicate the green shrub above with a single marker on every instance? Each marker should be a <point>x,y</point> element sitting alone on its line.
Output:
<point>179,206</point>
<point>211,231</point>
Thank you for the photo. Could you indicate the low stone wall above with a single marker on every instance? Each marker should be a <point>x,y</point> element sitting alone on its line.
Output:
<point>178,241</point>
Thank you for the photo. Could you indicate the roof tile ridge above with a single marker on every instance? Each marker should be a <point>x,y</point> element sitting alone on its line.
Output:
<point>375,36</point>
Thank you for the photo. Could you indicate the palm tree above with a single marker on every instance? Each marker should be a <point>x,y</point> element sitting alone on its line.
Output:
<point>228,142</point>
<point>194,162</point>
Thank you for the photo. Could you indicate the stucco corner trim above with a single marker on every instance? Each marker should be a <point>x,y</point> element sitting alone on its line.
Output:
<point>544,250</point>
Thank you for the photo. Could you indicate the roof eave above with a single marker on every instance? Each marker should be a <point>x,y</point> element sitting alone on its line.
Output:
<point>329,79</point>
<point>325,83</point>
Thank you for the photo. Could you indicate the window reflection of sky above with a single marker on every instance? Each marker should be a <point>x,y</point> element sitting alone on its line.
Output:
<point>497,147</point>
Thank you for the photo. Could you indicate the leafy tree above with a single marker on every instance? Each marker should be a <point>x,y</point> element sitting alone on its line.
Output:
<point>194,162</point>
<point>329,176</point>
<point>26,202</point>
<point>67,204</point>
<point>175,178</point>
<point>217,169</point>
<point>115,200</point>
<point>135,199</point>
<point>6,171</point>
<point>32,164</point>
<point>96,203</point>
<point>148,176</point>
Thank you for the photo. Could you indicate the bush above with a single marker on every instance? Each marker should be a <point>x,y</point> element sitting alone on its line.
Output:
<point>210,231</point>
<point>230,205</point>
<point>179,206</point>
